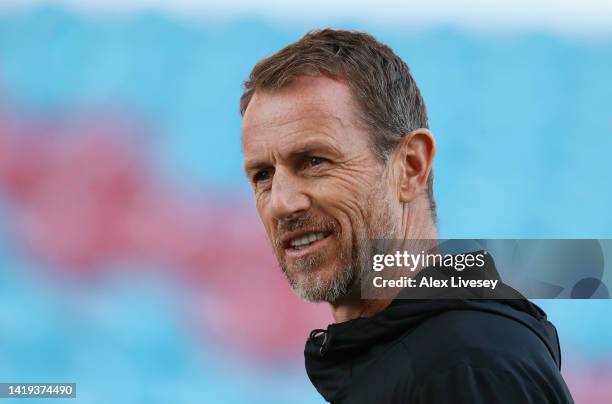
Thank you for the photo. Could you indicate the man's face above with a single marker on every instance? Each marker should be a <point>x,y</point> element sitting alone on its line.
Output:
<point>320,191</point>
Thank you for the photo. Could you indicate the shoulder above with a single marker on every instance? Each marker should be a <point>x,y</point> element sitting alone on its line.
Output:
<point>479,338</point>
<point>468,353</point>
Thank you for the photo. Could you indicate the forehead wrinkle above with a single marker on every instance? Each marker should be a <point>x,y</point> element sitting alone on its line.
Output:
<point>287,112</point>
<point>283,119</point>
<point>319,121</point>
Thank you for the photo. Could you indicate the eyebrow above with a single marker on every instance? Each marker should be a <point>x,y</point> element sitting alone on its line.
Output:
<point>307,148</point>
<point>255,165</point>
<point>315,147</point>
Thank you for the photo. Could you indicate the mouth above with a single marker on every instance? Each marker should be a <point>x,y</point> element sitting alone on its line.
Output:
<point>306,243</point>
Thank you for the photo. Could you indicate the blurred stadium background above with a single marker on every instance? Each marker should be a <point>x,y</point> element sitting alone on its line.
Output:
<point>131,258</point>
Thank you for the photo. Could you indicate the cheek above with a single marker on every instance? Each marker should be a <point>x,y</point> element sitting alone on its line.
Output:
<point>348,202</point>
<point>265,218</point>
<point>262,204</point>
<point>352,194</point>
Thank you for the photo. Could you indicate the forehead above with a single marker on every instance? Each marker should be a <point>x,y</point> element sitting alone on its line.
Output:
<point>310,107</point>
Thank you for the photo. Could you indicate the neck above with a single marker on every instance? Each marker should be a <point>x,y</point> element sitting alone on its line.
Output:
<point>349,308</point>
<point>419,227</point>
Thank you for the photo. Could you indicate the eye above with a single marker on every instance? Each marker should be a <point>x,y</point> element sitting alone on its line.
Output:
<point>314,164</point>
<point>315,161</point>
<point>261,175</point>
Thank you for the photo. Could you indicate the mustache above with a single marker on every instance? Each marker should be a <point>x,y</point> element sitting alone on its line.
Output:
<point>304,221</point>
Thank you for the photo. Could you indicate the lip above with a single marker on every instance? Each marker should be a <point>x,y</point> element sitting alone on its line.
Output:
<point>297,253</point>
<point>286,239</point>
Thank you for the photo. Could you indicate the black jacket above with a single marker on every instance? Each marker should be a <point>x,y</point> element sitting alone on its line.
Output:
<point>440,351</point>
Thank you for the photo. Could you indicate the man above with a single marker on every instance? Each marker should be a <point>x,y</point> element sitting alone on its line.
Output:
<point>337,149</point>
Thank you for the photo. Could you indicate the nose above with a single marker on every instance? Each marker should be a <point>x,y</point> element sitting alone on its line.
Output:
<point>288,196</point>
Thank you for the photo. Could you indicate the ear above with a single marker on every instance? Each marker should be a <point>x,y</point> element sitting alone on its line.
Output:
<point>415,155</point>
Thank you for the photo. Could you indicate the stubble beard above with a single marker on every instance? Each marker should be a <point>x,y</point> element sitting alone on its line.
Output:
<point>352,264</point>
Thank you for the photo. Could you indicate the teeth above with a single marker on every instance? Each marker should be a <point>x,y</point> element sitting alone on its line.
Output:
<point>306,239</point>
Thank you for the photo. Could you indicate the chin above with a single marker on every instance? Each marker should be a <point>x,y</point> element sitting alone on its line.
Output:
<point>321,284</point>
